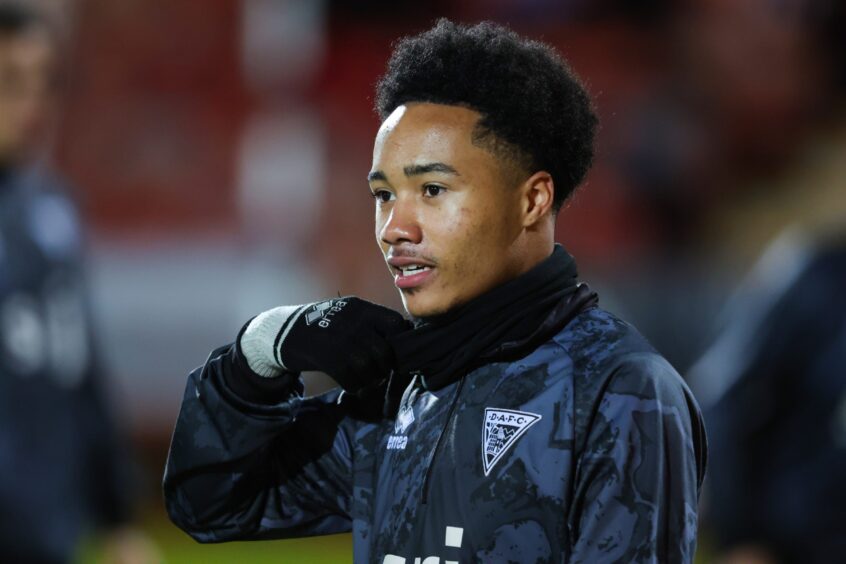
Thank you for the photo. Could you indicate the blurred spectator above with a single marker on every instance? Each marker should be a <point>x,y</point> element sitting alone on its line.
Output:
<point>774,389</point>
<point>62,469</point>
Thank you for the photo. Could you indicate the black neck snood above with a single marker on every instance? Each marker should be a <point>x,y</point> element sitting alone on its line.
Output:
<point>503,324</point>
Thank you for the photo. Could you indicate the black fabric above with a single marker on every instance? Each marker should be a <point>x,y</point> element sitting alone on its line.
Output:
<point>502,324</point>
<point>346,338</point>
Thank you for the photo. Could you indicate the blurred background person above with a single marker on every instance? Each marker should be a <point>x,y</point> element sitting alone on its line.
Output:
<point>63,465</point>
<point>773,383</point>
<point>775,387</point>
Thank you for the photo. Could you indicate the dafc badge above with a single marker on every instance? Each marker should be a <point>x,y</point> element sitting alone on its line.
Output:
<point>502,429</point>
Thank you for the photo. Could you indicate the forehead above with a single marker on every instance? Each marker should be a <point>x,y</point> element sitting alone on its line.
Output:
<point>423,131</point>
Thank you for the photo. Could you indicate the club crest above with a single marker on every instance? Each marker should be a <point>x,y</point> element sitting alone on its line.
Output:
<point>501,430</point>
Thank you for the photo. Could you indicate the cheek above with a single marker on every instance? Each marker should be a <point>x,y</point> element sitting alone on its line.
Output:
<point>379,224</point>
<point>484,233</point>
<point>467,239</point>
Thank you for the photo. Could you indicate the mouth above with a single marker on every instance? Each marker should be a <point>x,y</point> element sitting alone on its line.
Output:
<point>409,278</point>
<point>409,272</point>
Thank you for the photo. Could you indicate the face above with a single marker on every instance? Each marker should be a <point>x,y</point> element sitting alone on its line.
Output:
<point>448,212</point>
<point>25,92</point>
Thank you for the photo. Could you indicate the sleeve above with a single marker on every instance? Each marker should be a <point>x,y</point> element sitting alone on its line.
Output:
<point>251,459</point>
<point>639,475</point>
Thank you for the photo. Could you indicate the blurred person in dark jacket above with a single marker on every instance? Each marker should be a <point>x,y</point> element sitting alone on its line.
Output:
<point>774,390</point>
<point>62,469</point>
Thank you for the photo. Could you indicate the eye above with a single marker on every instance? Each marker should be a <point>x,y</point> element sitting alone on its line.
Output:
<point>382,196</point>
<point>432,190</point>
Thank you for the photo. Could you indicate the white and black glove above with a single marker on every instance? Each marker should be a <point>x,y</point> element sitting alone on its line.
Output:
<point>346,338</point>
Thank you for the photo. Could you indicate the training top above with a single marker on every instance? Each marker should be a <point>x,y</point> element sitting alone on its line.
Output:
<point>589,449</point>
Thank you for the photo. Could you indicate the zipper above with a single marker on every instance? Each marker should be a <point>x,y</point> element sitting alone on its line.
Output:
<point>433,457</point>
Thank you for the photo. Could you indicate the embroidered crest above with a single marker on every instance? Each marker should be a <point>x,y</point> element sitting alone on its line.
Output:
<point>501,430</point>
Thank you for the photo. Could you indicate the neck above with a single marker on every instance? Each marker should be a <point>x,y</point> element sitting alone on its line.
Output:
<point>531,251</point>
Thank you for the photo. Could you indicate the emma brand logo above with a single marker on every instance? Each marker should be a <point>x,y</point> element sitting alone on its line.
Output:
<point>323,312</point>
<point>405,418</point>
<point>501,430</point>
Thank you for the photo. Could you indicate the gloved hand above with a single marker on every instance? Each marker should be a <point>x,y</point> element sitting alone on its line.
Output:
<point>347,338</point>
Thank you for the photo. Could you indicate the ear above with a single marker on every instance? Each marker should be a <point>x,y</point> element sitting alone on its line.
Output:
<point>536,196</point>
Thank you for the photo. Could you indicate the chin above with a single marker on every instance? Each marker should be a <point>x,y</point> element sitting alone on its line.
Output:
<point>420,310</point>
<point>417,304</point>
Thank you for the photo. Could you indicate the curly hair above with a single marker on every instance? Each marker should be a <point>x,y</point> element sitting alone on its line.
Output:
<point>534,108</point>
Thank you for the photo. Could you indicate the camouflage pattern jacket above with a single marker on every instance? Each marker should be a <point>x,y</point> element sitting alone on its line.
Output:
<point>589,449</point>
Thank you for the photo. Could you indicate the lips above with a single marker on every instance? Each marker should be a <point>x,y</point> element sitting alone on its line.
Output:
<point>415,280</point>
<point>413,269</point>
<point>410,272</point>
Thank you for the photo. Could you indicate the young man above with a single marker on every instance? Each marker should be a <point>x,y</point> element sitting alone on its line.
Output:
<point>512,420</point>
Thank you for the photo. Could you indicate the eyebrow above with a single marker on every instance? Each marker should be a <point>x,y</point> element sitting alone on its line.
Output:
<point>415,170</point>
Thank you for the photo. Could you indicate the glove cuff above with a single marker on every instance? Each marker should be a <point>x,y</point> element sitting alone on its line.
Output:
<point>261,340</point>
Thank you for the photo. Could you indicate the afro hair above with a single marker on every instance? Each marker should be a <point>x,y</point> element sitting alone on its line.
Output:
<point>526,93</point>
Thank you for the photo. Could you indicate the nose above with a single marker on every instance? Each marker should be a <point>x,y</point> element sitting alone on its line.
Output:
<point>402,225</point>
